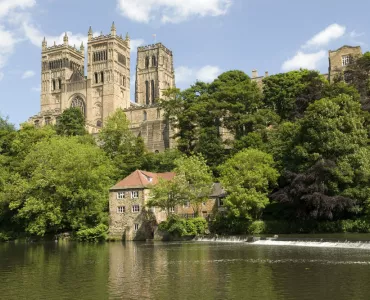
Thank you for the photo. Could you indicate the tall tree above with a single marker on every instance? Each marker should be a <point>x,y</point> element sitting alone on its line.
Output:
<point>71,123</point>
<point>248,177</point>
<point>126,150</point>
<point>167,194</point>
<point>198,177</point>
<point>63,185</point>
<point>289,94</point>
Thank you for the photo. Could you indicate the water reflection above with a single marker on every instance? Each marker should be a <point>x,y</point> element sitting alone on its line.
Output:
<point>181,271</point>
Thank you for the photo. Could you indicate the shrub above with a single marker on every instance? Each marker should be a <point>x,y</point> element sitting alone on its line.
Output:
<point>5,237</point>
<point>257,227</point>
<point>183,227</point>
<point>95,234</point>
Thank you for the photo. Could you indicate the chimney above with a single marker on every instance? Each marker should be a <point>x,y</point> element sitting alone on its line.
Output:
<point>266,74</point>
<point>254,74</point>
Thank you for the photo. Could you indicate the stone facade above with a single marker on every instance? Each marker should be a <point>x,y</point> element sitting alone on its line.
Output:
<point>106,87</point>
<point>340,58</point>
<point>130,219</point>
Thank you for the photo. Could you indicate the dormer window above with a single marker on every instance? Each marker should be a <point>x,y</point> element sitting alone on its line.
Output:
<point>150,179</point>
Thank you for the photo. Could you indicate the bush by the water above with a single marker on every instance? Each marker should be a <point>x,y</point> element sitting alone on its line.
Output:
<point>184,227</point>
<point>96,234</point>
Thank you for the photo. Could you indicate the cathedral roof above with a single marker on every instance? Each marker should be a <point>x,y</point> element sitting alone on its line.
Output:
<point>76,77</point>
<point>141,179</point>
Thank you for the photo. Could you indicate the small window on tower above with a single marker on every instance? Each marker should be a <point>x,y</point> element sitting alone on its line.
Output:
<point>98,123</point>
<point>96,78</point>
<point>102,77</point>
<point>60,83</point>
<point>145,116</point>
<point>53,84</point>
<point>154,61</point>
<point>147,62</point>
<point>346,60</point>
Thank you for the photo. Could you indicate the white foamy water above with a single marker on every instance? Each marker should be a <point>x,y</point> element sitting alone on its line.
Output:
<point>296,243</point>
<point>325,244</point>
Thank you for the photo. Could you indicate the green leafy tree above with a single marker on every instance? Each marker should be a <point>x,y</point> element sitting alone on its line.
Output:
<point>64,185</point>
<point>161,162</point>
<point>198,177</point>
<point>126,150</point>
<point>167,194</point>
<point>289,94</point>
<point>248,177</point>
<point>71,123</point>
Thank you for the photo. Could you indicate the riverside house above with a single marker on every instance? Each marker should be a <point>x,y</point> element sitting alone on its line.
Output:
<point>131,219</point>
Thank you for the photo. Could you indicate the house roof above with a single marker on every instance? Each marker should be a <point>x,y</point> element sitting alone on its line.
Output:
<point>217,191</point>
<point>141,179</point>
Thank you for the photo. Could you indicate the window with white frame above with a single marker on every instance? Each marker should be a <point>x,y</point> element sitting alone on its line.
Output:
<point>346,59</point>
<point>220,202</point>
<point>187,204</point>
<point>135,208</point>
<point>121,209</point>
<point>136,227</point>
<point>172,209</point>
<point>120,195</point>
<point>134,194</point>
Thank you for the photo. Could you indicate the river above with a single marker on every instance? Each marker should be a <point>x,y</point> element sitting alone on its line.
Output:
<point>225,269</point>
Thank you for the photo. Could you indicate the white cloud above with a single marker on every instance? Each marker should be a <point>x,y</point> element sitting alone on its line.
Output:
<point>304,61</point>
<point>354,34</point>
<point>134,44</point>
<point>323,38</point>
<point>6,6</point>
<point>36,37</point>
<point>7,42</point>
<point>171,11</point>
<point>28,74</point>
<point>37,89</point>
<point>189,75</point>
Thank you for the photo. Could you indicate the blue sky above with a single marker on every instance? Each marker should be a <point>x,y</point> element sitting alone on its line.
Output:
<point>206,36</point>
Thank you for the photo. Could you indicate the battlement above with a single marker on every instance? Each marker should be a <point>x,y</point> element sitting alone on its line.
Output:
<point>154,46</point>
<point>62,47</point>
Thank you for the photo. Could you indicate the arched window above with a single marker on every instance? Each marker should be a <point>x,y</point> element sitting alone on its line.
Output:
<point>156,151</point>
<point>98,123</point>
<point>147,100</point>
<point>60,83</point>
<point>154,61</point>
<point>53,84</point>
<point>37,123</point>
<point>124,81</point>
<point>47,121</point>
<point>102,76</point>
<point>158,114</point>
<point>145,116</point>
<point>147,62</point>
<point>78,103</point>
<point>96,78</point>
<point>153,92</point>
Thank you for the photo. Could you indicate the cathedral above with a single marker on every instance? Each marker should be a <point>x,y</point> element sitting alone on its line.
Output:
<point>106,85</point>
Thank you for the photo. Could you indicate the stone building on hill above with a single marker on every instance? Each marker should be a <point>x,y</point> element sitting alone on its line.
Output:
<point>105,86</point>
<point>130,219</point>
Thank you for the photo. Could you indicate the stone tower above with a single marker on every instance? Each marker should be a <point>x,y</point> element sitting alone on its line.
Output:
<point>58,63</point>
<point>108,76</point>
<point>340,58</point>
<point>154,73</point>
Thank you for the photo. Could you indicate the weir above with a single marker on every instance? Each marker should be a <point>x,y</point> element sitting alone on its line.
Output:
<point>316,242</point>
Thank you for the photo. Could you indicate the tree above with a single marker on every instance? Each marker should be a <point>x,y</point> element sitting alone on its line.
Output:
<point>167,194</point>
<point>289,94</point>
<point>161,162</point>
<point>198,177</point>
<point>71,123</point>
<point>126,150</point>
<point>248,177</point>
<point>63,185</point>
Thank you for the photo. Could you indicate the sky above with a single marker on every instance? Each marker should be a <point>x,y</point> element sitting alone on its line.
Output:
<point>207,37</point>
